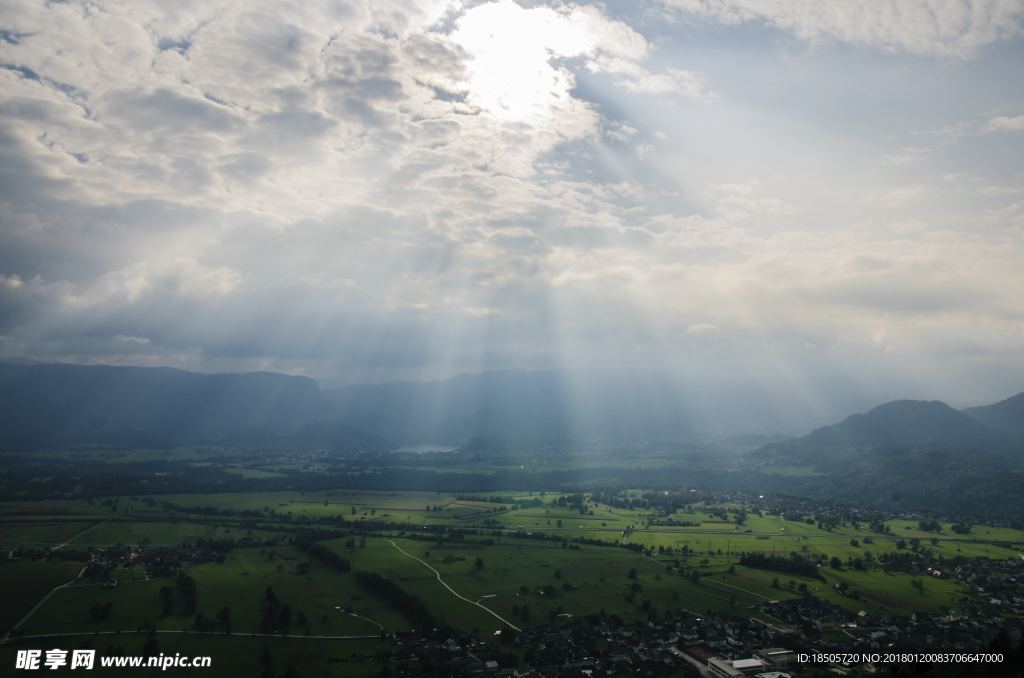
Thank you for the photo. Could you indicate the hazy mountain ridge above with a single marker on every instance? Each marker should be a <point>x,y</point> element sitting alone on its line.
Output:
<point>910,423</point>
<point>1006,416</point>
<point>58,404</point>
<point>908,454</point>
<point>904,425</point>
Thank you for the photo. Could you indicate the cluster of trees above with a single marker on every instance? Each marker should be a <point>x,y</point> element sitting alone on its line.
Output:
<point>183,592</point>
<point>414,609</point>
<point>222,622</point>
<point>576,501</point>
<point>100,611</point>
<point>522,612</point>
<point>664,503</point>
<point>277,615</point>
<point>323,554</point>
<point>795,563</point>
<point>879,526</point>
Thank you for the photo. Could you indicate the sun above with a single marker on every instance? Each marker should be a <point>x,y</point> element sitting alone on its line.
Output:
<point>511,73</point>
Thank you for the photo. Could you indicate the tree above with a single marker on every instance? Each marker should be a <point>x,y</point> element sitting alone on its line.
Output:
<point>224,620</point>
<point>151,647</point>
<point>100,611</point>
<point>186,589</point>
<point>284,617</point>
<point>166,600</point>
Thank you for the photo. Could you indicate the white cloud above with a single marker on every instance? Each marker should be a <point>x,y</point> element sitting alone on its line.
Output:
<point>928,27</point>
<point>750,199</point>
<point>1007,123</point>
<point>672,81</point>
<point>388,187</point>
<point>620,131</point>
<point>126,339</point>
<point>904,194</point>
<point>904,156</point>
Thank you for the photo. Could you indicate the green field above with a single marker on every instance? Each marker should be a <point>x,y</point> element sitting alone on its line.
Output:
<point>24,583</point>
<point>503,566</point>
<point>238,584</point>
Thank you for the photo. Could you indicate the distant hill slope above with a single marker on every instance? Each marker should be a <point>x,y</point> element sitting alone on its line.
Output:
<point>907,454</point>
<point>53,404</point>
<point>1006,416</point>
<point>909,423</point>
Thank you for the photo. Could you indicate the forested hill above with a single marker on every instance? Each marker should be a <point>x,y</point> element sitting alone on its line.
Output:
<point>905,425</point>
<point>910,423</point>
<point>1006,416</point>
<point>909,454</point>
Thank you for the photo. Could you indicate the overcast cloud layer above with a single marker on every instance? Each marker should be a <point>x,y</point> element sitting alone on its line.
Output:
<point>776,191</point>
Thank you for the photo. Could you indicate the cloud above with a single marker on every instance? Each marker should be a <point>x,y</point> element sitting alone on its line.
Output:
<point>904,194</point>
<point>393,190</point>
<point>620,132</point>
<point>957,28</point>
<point>745,200</point>
<point>672,81</point>
<point>1007,123</point>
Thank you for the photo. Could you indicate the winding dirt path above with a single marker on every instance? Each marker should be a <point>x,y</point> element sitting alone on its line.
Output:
<point>453,591</point>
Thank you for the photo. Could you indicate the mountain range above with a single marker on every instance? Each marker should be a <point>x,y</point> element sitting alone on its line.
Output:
<point>58,404</point>
<point>61,404</point>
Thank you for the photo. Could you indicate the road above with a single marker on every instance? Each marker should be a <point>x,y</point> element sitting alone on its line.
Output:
<point>71,539</point>
<point>40,604</point>
<point>453,591</point>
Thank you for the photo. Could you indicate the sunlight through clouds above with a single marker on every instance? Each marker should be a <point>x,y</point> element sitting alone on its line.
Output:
<point>394,190</point>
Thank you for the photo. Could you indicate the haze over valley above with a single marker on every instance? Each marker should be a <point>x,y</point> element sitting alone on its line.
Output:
<point>512,338</point>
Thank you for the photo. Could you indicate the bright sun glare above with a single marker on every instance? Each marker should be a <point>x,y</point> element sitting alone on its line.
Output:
<point>510,74</point>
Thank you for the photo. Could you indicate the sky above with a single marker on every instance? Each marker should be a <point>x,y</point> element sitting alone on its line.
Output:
<point>794,193</point>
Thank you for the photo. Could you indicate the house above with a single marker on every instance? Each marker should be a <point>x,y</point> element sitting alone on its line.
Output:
<point>720,667</point>
<point>777,658</point>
